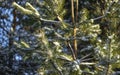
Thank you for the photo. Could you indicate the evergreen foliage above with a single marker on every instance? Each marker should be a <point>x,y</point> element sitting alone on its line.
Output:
<point>77,37</point>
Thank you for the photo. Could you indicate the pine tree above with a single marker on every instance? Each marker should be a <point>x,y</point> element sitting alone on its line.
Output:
<point>70,37</point>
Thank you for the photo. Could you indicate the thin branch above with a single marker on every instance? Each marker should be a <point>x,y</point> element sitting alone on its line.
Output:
<point>72,51</point>
<point>64,58</point>
<point>87,59</point>
<point>50,21</point>
<point>86,56</point>
<point>77,3</point>
<point>87,63</point>
<point>72,10</point>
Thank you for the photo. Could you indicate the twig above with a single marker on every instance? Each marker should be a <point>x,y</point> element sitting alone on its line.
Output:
<point>72,51</point>
<point>86,63</point>
<point>87,59</point>
<point>86,56</point>
<point>72,10</point>
<point>51,22</point>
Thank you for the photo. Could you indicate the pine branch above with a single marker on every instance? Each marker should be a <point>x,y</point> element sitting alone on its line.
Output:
<point>97,18</point>
<point>84,38</point>
<point>29,10</point>
<point>56,67</point>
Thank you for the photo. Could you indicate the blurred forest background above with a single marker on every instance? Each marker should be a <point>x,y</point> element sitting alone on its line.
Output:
<point>59,37</point>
